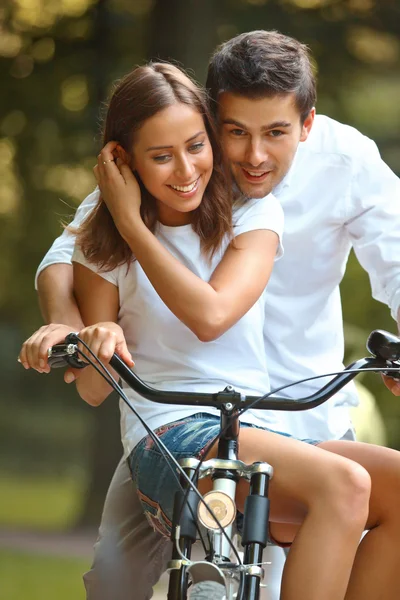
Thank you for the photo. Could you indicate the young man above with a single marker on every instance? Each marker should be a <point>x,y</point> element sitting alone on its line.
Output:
<point>336,193</point>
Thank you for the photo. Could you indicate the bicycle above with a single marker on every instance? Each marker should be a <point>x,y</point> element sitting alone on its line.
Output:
<point>218,576</point>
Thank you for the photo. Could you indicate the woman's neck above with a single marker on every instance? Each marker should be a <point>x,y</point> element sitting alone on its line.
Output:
<point>173,218</point>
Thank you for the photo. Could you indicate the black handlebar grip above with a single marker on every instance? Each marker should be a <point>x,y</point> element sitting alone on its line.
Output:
<point>384,345</point>
<point>56,362</point>
<point>60,357</point>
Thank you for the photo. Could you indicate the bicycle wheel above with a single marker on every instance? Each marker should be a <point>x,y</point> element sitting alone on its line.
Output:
<point>207,590</point>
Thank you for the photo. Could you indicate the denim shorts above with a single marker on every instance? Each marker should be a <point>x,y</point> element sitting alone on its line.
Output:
<point>156,486</point>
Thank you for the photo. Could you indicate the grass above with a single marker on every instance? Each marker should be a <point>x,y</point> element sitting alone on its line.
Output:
<point>39,503</point>
<point>44,504</point>
<point>29,577</point>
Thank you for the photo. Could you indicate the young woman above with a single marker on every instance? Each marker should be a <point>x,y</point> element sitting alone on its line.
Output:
<point>164,270</point>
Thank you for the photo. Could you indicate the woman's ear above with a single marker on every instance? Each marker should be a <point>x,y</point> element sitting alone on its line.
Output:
<point>122,154</point>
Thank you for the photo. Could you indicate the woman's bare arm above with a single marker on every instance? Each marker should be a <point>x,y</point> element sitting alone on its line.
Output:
<point>208,308</point>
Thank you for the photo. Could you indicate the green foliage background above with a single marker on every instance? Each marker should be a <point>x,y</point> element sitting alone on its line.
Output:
<point>58,59</point>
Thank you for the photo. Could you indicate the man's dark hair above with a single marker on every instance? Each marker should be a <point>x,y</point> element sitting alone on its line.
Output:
<point>263,63</point>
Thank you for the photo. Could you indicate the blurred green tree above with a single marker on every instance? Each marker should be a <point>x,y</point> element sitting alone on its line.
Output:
<point>58,60</point>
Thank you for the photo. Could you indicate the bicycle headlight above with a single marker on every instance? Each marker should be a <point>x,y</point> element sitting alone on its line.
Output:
<point>222,506</point>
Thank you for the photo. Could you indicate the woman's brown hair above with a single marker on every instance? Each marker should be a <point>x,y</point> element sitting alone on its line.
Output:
<point>138,96</point>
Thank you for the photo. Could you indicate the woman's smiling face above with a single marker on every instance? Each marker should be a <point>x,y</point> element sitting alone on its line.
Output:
<point>173,157</point>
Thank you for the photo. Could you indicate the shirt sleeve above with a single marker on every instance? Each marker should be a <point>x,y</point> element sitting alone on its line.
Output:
<point>110,276</point>
<point>260,213</point>
<point>373,224</point>
<point>63,247</point>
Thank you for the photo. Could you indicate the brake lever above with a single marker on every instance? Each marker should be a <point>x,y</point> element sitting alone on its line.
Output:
<point>61,355</point>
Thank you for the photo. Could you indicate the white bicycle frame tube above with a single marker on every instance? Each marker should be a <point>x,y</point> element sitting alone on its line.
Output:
<point>221,545</point>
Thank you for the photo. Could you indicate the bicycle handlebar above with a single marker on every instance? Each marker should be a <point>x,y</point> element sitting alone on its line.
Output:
<point>384,346</point>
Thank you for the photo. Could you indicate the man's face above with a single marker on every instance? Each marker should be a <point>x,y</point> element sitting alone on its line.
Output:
<point>260,138</point>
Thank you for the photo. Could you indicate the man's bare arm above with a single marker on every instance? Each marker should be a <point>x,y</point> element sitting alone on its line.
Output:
<point>61,313</point>
<point>56,296</point>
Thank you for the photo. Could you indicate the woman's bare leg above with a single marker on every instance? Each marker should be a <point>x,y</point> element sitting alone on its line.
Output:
<point>327,495</point>
<point>376,570</point>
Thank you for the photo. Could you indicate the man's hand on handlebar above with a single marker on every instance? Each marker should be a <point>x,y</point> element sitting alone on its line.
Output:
<point>392,384</point>
<point>33,353</point>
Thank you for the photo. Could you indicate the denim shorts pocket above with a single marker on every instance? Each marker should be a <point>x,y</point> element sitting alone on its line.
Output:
<point>157,482</point>
<point>161,484</point>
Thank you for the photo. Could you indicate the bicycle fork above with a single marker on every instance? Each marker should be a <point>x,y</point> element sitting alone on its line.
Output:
<point>255,531</point>
<point>184,516</point>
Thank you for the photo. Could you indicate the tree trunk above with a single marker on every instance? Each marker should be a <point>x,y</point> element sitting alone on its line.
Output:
<point>105,446</point>
<point>184,31</point>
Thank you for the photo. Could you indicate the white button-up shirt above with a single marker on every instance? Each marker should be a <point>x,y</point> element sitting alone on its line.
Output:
<point>338,194</point>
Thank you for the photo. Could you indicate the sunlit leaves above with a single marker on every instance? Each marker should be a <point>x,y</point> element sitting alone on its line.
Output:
<point>74,93</point>
<point>43,49</point>
<point>41,14</point>
<point>371,46</point>
<point>347,6</point>
<point>361,6</point>
<point>71,181</point>
<point>22,66</point>
<point>312,4</point>
<point>10,43</point>
<point>375,107</point>
<point>13,123</point>
<point>136,7</point>
<point>9,190</point>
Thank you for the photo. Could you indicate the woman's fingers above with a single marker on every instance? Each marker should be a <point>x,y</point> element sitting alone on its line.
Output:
<point>110,150</point>
<point>101,340</point>
<point>126,171</point>
<point>107,173</point>
<point>106,158</point>
<point>107,347</point>
<point>122,351</point>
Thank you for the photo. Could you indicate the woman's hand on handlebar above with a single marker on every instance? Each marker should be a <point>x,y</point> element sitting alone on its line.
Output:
<point>104,339</point>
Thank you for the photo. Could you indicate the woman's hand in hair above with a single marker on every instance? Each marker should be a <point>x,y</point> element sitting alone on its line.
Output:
<point>119,187</point>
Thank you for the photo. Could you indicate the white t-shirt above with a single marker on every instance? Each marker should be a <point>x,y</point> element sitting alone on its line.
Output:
<point>167,354</point>
<point>337,195</point>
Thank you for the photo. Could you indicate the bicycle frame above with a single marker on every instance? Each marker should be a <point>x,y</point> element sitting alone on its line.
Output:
<point>225,472</point>
<point>226,469</point>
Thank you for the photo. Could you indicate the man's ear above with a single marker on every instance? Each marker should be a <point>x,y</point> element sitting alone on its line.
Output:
<point>307,125</point>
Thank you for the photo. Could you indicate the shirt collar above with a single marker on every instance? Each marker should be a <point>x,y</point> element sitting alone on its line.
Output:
<point>287,180</point>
